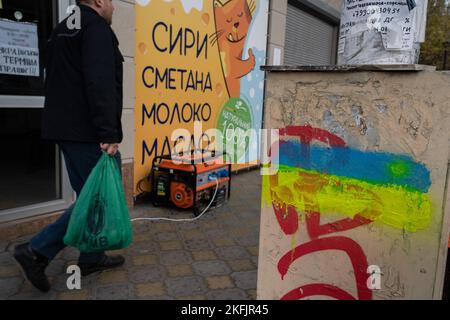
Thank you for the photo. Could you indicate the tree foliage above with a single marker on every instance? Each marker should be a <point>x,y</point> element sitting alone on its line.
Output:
<point>437,34</point>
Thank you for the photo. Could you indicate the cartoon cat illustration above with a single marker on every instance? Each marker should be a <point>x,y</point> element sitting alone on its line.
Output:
<point>232,19</point>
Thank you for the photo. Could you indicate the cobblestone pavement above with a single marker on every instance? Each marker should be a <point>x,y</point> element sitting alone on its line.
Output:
<point>212,258</point>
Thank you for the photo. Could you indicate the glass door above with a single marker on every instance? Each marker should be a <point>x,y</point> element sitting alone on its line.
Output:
<point>33,179</point>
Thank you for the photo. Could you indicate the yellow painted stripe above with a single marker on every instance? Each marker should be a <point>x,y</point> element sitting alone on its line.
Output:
<point>309,191</point>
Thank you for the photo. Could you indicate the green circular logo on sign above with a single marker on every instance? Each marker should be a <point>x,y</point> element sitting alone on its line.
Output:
<point>235,123</point>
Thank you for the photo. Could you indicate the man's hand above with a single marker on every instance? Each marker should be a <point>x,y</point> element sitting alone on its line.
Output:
<point>110,148</point>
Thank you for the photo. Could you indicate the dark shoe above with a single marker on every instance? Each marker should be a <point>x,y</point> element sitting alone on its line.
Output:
<point>108,262</point>
<point>33,265</point>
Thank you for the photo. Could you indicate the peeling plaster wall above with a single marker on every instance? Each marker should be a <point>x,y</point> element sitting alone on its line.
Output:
<point>400,113</point>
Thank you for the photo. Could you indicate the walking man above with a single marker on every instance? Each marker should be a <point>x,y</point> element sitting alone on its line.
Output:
<point>82,114</point>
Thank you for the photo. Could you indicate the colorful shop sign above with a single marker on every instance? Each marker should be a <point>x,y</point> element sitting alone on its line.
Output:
<point>198,62</point>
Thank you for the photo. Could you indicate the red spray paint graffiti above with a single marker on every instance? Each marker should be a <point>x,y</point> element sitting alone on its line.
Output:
<point>287,218</point>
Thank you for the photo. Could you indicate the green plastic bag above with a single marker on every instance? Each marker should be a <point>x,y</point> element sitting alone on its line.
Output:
<point>100,219</point>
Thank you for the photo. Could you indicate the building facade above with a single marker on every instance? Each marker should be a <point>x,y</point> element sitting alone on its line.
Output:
<point>34,187</point>
<point>304,32</point>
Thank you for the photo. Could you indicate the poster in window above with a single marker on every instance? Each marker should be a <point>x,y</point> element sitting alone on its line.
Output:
<point>19,50</point>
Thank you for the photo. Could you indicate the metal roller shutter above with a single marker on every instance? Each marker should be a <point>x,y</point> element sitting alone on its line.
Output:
<point>309,40</point>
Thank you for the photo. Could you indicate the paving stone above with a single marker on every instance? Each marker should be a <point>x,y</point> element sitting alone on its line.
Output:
<point>180,271</point>
<point>146,290</point>
<point>10,271</point>
<point>169,258</point>
<point>157,298</point>
<point>211,268</point>
<point>205,259</point>
<point>254,250</point>
<point>255,221</point>
<point>35,295</point>
<point>147,208</point>
<point>209,225</point>
<point>186,286</point>
<point>188,225</point>
<point>218,212</point>
<point>113,276</point>
<point>245,279</point>
<point>74,295</point>
<point>59,255</point>
<point>204,255</point>
<point>244,217</point>
<point>171,245</point>
<point>70,253</point>
<point>190,298</point>
<point>91,281</point>
<point>142,237</point>
<point>164,226</point>
<point>232,253</point>
<point>246,241</point>
<point>10,286</point>
<point>216,233</point>
<point>68,263</point>
<point>227,294</point>
<point>192,234</point>
<point>240,232</point>
<point>26,287</point>
<point>6,259</point>
<point>115,292</point>
<point>59,283</point>
<point>122,252</point>
<point>241,265</point>
<point>141,226</point>
<point>56,267</point>
<point>211,215</point>
<point>145,260</point>
<point>219,282</point>
<point>3,245</point>
<point>236,207</point>
<point>166,236</point>
<point>198,244</point>
<point>223,242</point>
<point>254,259</point>
<point>11,247</point>
<point>232,223</point>
<point>145,274</point>
<point>142,248</point>
<point>252,294</point>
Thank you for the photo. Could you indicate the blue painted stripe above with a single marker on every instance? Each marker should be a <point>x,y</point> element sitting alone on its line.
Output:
<point>373,167</point>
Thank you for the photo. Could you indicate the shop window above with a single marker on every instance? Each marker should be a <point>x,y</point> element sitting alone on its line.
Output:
<point>29,166</point>
<point>31,177</point>
<point>25,27</point>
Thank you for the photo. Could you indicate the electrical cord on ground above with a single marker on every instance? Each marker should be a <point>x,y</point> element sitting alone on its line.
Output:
<point>183,220</point>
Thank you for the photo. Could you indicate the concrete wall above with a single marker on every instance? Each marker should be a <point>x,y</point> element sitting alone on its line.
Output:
<point>337,4</point>
<point>332,212</point>
<point>124,27</point>
<point>277,23</point>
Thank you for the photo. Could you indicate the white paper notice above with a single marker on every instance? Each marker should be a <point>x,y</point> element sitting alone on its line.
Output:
<point>276,56</point>
<point>392,19</point>
<point>19,50</point>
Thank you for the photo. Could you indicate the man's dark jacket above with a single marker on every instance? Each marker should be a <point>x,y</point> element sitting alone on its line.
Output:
<point>83,87</point>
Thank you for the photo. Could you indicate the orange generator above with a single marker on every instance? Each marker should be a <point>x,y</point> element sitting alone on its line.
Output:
<point>190,182</point>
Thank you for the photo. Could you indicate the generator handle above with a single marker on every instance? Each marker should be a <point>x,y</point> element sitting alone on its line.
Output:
<point>205,159</point>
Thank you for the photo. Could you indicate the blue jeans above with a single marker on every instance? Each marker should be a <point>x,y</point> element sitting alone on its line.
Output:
<point>81,158</point>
